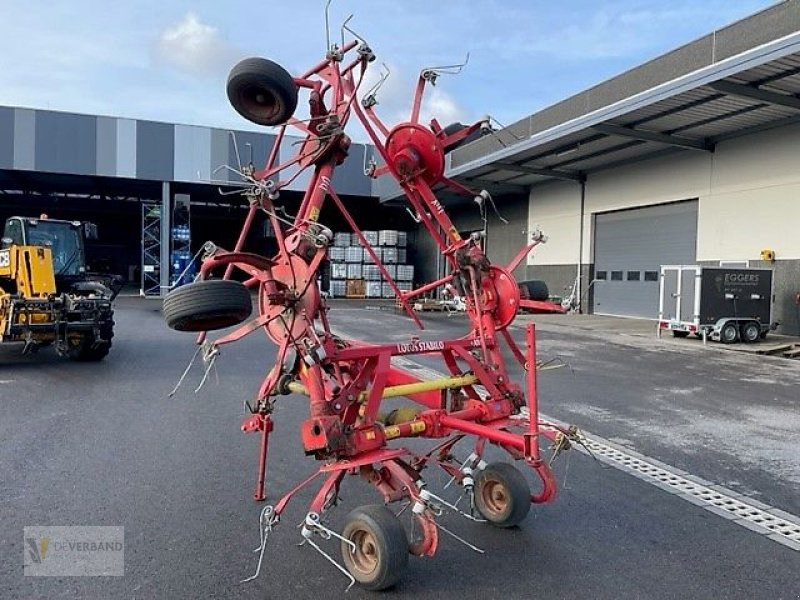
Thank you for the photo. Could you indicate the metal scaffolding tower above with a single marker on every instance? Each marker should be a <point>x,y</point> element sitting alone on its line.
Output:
<point>151,249</point>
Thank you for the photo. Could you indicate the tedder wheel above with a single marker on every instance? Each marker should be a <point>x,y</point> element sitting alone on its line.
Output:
<point>750,332</point>
<point>455,128</point>
<point>729,333</point>
<point>262,91</point>
<point>680,334</point>
<point>502,495</point>
<point>381,553</point>
<point>207,305</point>
<point>535,288</point>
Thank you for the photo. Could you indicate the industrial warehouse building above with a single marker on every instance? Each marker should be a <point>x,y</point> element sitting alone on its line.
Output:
<point>157,191</point>
<point>691,158</point>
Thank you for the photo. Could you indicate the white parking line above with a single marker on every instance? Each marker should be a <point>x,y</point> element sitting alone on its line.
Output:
<point>777,525</point>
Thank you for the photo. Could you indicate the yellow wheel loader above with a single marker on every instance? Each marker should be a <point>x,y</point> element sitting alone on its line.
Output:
<point>46,295</point>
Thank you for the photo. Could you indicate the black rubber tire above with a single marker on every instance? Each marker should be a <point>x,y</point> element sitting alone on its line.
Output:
<point>750,332</point>
<point>455,128</point>
<point>87,351</point>
<point>535,290</point>
<point>207,305</point>
<point>262,91</point>
<point>381,554</point>
<point>729,334</point>
<point>680,334</point>
<point>502,495</point>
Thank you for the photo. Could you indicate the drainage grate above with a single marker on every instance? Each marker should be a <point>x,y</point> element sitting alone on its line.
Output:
<point>784,527</point>
<point>779,526</point>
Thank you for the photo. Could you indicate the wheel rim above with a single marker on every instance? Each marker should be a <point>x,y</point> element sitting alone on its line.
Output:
<point>728,334</point>
<point>261,102</point>
<point>751,333</point>
<point>366,555</point>
<point>495,497</point>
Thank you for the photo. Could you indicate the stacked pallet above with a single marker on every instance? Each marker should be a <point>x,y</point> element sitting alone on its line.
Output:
<point>353,272</point>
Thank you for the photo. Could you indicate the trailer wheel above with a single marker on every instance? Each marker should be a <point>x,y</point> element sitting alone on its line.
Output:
<point>680,334</point>
<point>262,91</point>
<point>729,334</point>
<point>750,332</point>
<point>207,305</point>
<point>381,547</point>
<point>502,495</point>
<point>535,289</point>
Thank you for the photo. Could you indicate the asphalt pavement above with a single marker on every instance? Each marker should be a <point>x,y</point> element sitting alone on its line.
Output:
<point>103,444</point>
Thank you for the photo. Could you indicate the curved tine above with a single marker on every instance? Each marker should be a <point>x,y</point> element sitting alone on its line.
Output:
<point>236,148</point>
<point>449,69</point>
<point>245,178</point>
<point>354,33</point>
<point>327,26</point>
<point>496,211</point>
<point>346,28</point>
<point>383,77</point>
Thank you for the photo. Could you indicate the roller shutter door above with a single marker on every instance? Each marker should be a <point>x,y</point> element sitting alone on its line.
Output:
<point>629,248</point>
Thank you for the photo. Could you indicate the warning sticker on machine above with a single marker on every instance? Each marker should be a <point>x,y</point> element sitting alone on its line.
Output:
<point>5,258</point>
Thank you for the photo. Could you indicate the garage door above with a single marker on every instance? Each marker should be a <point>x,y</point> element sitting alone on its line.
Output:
<point>629,248</point>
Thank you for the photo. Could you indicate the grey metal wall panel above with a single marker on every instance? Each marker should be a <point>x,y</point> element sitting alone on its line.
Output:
<point>252,146</point>
<point>289,147</point>
<point>349,177</point>
<point>6,137</point>
<point>155,151</point>
<point>769,24</point>
<point>126,148</point>
<point>386,186</point>
<point>192,153</point>
<point>219,153</point>
<point>24,139</point>
<point>640,241</point>
<point>66,143</point>
<point>503,241</point>
<point>669,66</point>
<point>106,146</point>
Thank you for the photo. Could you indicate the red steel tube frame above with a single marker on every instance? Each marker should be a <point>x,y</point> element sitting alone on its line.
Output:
<point>342,429</point>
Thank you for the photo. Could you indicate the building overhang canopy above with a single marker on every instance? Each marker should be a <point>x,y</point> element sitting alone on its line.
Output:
<point>730,96</point>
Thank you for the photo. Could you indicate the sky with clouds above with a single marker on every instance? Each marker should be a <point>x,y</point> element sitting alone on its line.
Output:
<point>168,61</point>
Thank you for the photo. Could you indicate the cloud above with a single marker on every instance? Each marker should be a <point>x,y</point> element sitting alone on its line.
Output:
<point>195,48</point>
<point>443,107</point>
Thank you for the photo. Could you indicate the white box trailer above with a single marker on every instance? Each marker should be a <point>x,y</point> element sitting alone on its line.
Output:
<point>721,303</point>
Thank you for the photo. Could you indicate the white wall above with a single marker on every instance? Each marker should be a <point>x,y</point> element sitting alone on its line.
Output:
<point>748,191</point>
<point>555,209</point>
<point>755,198</point>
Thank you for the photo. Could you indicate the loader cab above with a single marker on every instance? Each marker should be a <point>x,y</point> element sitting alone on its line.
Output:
<point>64,238</point>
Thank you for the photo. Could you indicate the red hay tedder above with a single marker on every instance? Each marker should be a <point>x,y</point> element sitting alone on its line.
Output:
<point>346,380</point>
